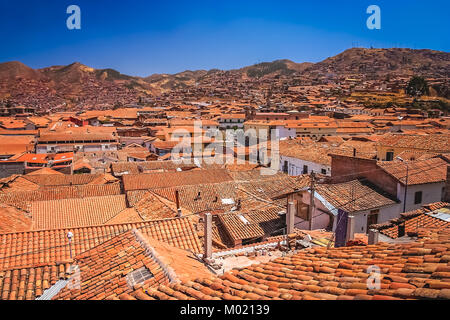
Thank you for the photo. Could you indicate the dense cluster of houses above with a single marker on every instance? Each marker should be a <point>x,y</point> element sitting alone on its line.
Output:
<point>94,206</point>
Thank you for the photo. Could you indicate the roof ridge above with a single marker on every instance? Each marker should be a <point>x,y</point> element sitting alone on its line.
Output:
<point>168,271</point>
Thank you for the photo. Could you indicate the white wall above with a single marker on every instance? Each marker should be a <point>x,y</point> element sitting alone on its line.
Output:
<point>286,132</point>
<point>295,166</point>
<point>431,192</point>
<point>321,220</point>
<point>385,214</point>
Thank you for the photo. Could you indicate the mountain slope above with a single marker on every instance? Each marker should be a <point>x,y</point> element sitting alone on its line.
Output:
<point>79,85</point>
<point>379,62</point>
<point>14,69</point>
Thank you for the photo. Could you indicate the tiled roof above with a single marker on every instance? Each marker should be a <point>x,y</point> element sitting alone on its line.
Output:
<point>128,215</point>
<point>25,249</point>
<point>120,168</point>
<point>210,199</point>
<point>415,220</point>
<point>353,196</point>
<point>253,224</point>
<point>30,283</point>
<point>44,171</point>
<point>173,179</point>
<point>419,171</point>
<point>62,180</point>
<point>417,270</point>
<point>71,213</point>
<point>432,142</point>
<point>22,199</point>
<point>153,207</point>
<point>103,270</point>
<point>13,220</point>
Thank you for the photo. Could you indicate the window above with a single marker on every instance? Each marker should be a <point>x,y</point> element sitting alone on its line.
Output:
<point>389,156</point>
<point>418,197</point>
<point>285,167</point>
<point>324,171</point>
<point>305,169</point>
<point>372,218</point>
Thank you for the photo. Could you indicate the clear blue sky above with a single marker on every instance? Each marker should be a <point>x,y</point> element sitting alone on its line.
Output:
<point>140,37</point>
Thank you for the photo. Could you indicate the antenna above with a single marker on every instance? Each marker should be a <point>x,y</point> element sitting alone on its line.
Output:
<point>70,236</point>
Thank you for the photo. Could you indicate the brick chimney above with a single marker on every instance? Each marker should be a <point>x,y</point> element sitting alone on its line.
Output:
<point>401,230</point>
<point>177,199</point>
<point>350,229</point>
<point>290,217</point>
<point>373,236</point>
<point>447,186</point>
<point>208,236</point>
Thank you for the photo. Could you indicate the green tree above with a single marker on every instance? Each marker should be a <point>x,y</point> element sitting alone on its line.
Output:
<point>417,87</point>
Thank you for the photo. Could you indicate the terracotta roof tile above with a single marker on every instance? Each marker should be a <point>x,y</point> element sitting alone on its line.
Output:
<point>25,249</point>
<point>172,179</point>
<point>70,213</point>
<point>315,274</point>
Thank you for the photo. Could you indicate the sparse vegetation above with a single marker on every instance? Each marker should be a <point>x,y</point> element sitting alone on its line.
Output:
<point>417,87</point>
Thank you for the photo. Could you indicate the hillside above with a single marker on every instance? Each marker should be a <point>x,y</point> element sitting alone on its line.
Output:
<point>79,85</point>
<point>14,69</point>
<point>374,63</point>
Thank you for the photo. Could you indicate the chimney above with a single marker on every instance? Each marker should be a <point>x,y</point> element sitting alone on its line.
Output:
<point>177,199</point>
<point>198,197</point>
<point>401,230</point>
<point>446,195</point>
<point>373,236</point>
<point>350,229</point>
<point>290,217</point>
<point>238,205</point>
<point>354,152</point>
<point>208,236</point>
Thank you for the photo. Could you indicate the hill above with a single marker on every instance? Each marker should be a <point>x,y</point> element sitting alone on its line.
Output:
<point>79,85</point>
<point>375,63</point>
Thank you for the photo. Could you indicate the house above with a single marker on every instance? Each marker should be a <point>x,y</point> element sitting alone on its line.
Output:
<point>232,121</point>
<point>413,183</point>
<point>434,215</point>
<point>361,200</point>
<point>84,139</point>
<point>391,145</point>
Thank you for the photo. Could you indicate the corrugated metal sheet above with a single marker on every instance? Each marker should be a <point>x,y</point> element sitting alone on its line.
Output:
<point>53,290</point>
<point>443,214</point>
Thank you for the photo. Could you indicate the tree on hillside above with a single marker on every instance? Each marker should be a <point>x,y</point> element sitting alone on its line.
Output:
<point>417,87</point>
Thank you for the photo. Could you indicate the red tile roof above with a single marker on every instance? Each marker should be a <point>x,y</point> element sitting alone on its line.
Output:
<point>13,220</point>
<point>173,179</point>
<point>353,196</point>
<point>25,249</point>
<point>432,142</point>
<point>22,199</point>
<point>30,283</point>
<point>414,220</point>
<point>419,171</point>
<point>417,270</point>
<point>71,213</point>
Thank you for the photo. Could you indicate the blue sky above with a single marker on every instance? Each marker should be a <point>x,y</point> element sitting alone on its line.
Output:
<point>140,37</point>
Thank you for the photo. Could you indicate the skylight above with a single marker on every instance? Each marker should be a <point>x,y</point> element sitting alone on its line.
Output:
<point>227,201</point>
<point>139,276</point>
<point>243,219</point>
